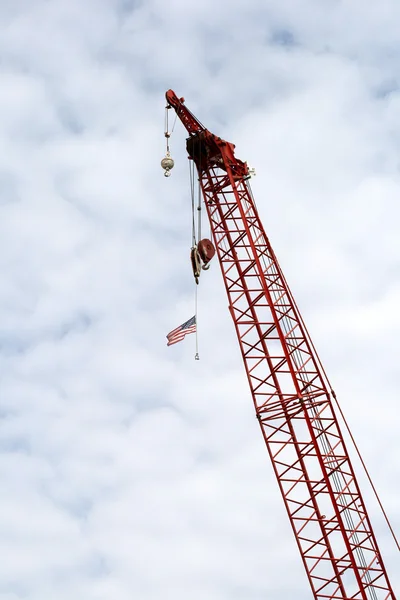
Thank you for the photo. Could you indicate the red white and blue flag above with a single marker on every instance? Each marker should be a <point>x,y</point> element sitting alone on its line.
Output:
<point>177,335</point>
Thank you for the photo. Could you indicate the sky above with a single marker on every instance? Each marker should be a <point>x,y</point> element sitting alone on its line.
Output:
<point>128,469</point>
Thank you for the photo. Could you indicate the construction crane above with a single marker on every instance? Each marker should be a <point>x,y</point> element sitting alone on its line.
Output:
<point>294,402</point>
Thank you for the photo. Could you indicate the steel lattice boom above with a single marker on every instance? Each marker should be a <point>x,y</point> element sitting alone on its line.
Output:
<point>291,396</point>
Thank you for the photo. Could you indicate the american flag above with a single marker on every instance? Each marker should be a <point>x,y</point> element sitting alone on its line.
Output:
<point>177,335</point>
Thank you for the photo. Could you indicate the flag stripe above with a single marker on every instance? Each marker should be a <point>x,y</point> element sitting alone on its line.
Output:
<point>179,336</point>
<point>182,332</point>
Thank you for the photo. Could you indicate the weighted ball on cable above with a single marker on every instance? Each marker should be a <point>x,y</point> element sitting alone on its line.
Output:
<point>167,164</point>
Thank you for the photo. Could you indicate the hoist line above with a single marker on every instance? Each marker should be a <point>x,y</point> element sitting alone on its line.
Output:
<point>199,212</point>
<point>191,174</point>
<point>196,356</point>
<point>166,133</point>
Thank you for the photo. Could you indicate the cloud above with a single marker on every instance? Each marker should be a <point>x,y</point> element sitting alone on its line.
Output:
<point>127,467</point>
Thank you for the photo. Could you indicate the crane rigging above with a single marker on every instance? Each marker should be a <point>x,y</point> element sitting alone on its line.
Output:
<point>293,399</point>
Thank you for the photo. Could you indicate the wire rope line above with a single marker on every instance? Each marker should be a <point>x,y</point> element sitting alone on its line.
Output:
<point>196,356</point>
<point>279,300</point>
<point>375,491</point>
<point>166,132</point>
<point>325,443</point>
<point>199,212</point>
<point>297,361</point>
<point>191,174</point>
<point>166,120</point>
<point>174,123</point>
<point>337,403</point>
<point>339,485</point>
<point>366,472</point>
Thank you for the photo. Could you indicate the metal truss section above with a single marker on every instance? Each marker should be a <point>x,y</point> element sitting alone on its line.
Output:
<point>292,402</point>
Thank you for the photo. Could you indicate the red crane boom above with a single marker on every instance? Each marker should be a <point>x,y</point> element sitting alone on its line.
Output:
<point>291,395</point>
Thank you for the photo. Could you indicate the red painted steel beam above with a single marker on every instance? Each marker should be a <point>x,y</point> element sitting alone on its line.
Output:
<point>291,397</point>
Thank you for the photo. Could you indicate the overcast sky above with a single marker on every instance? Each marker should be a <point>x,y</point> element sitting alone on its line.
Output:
<point>127,469</point>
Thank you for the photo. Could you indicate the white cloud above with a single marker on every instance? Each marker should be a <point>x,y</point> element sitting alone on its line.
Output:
<point>127,468</point>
